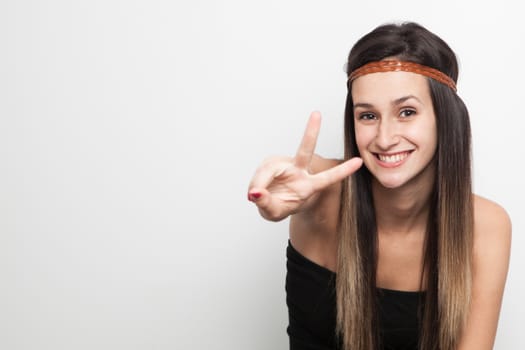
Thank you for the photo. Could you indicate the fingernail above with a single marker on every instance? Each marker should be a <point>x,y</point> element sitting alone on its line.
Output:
<point>254,196</point>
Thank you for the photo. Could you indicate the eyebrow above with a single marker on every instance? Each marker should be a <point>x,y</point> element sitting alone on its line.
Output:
<point>395,102</point>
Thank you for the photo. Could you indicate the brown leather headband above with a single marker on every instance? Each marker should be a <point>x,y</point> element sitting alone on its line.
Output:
<point>402,66</point>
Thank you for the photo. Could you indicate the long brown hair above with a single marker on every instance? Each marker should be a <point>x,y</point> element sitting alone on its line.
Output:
<point>448,240</point>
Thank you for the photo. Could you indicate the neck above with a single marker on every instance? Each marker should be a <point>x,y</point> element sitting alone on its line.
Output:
<point>402,210</point>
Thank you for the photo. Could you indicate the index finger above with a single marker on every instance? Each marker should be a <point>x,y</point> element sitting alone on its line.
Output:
<point>305,152</point>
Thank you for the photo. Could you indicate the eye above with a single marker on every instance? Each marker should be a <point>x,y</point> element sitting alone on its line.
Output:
<point>405,113</point>
<point>366,116</point>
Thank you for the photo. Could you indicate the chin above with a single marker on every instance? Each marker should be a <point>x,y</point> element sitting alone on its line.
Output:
<point>391,182</point>
<point>391,185</point>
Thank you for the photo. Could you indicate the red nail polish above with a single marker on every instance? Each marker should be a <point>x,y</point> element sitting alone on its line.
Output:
<point>254,196</point>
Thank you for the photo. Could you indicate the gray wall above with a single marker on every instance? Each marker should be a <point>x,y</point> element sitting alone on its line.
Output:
<point>129,131</point>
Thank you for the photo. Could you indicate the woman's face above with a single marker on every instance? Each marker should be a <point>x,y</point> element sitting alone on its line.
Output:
<point>395,126</point>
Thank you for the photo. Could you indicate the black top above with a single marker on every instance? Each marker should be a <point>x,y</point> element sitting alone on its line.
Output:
<point>310,296</point>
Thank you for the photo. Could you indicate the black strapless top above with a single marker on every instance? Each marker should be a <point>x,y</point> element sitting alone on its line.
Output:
<point>310,296</point>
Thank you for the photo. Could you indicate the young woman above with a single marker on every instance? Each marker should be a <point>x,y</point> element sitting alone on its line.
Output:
<point>389,248</point>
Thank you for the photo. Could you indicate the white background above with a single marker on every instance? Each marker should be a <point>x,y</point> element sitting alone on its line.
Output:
<point>129,131</point>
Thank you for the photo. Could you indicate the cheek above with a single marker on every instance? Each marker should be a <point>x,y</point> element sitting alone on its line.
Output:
<point>424,136</point>
<point>364,136</point>
<point>431,135</point>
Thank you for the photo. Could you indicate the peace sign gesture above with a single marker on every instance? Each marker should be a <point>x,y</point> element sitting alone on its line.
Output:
<point>282,185</point>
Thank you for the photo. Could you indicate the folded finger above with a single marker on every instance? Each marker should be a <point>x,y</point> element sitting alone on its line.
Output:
<point>266,173</point>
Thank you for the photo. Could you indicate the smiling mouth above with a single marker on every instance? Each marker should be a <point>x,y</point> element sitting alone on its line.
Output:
<point>392,158</point>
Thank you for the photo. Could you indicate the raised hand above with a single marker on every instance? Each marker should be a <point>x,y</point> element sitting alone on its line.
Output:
<point>282,185</point>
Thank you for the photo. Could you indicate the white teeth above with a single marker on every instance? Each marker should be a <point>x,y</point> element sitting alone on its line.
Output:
<point>393,158</point>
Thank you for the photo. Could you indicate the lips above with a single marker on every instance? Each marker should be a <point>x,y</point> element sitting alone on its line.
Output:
<point>391,160</point>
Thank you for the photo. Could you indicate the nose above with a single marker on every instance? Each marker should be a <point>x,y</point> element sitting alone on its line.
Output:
<point>387,134</point>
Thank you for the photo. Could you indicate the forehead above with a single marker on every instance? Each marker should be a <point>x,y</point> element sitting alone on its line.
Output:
<point>376,88</point>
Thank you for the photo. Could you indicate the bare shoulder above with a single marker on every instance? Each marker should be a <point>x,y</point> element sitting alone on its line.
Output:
<point>491,222</point>
<point>492,239</point>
